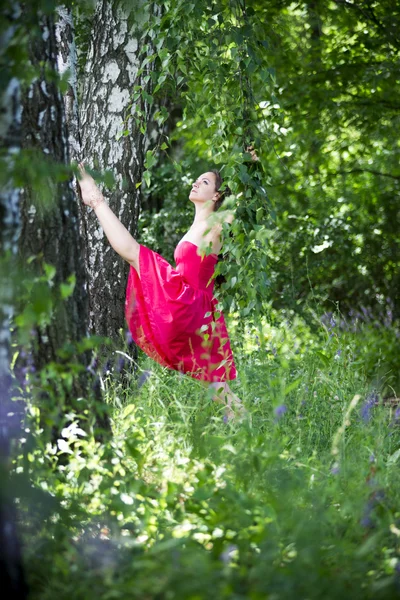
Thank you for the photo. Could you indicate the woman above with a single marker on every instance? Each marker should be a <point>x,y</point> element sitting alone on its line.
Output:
<point>171,312</point>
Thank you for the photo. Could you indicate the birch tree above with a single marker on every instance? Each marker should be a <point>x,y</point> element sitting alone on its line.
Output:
<point>55,299</point>
<point>111,140</point>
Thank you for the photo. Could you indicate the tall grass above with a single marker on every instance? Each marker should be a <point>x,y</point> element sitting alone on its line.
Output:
<point>300,500</point>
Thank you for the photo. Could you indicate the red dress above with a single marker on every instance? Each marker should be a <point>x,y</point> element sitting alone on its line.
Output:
<point>172,314</point>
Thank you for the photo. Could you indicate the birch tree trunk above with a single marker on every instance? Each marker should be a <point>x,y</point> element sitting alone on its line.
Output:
<point>50,232</point>
<point>110,74</point>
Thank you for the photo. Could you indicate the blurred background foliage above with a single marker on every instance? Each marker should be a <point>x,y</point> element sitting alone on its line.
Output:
<point>312,86</point>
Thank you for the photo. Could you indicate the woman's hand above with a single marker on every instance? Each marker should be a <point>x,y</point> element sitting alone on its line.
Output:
<point>91,195</point>
<point>252,152</point>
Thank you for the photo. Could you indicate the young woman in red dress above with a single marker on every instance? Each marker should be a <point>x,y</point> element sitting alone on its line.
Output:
<point>171,311</point>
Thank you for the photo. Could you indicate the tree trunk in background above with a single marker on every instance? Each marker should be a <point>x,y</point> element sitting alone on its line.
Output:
<point>110,74</point>
<point>52,231</point>
<point>11,570</point>
<point>67,62</point>
<point>315,23</point>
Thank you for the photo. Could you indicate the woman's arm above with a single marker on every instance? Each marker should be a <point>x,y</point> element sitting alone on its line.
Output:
<point>118,236</point>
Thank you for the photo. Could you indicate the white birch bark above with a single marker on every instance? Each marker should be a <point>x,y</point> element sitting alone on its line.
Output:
<point>110,74</point>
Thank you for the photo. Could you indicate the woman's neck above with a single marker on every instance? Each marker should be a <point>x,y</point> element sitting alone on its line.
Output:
<point>203,211</point>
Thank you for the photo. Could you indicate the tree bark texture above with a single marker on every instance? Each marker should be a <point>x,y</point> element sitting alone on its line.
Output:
<point>110,74</point>
<point>67,63</point>
<point>52,232</point>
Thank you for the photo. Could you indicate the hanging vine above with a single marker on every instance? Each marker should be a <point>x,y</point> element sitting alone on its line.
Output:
<point>206,60</point>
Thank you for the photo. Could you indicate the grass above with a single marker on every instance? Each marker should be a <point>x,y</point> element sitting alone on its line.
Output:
<point>298,501</point>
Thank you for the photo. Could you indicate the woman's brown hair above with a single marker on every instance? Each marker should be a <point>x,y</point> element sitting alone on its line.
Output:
<point>223,193</point>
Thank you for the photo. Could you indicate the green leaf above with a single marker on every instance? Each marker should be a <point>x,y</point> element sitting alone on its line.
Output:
<point>50,271</point>
<point>293,386</point>
<point>67,289</point>
<point>323,357</point>
<point>147,178</point>
<point>150,160</point>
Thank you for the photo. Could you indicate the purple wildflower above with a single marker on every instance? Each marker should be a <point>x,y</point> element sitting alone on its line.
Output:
<point>365,312</point>
<point>389,313</point>
<point>366,520</point>
<point>335,468</point>
<point>227,555</point>
<point>93,365</point>
<point>107,367</point>
<point>366,409</point>
<point>129,338</point>
<point>121,364</point>
<point>326,318</point>
<point>375,499</point>
<point>143,378</point>
<point>279,411</point>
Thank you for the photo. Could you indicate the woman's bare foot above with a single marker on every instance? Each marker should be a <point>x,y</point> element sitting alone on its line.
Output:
<point>234,409</point>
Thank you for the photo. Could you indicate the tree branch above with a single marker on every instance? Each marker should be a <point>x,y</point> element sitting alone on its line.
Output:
<point>371,100</point>
<point>372,171</point>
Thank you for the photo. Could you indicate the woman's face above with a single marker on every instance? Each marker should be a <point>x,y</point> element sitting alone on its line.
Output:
<point>203,189</point>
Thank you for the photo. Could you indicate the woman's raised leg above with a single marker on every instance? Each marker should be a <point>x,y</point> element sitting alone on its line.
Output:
<point>118,236</point>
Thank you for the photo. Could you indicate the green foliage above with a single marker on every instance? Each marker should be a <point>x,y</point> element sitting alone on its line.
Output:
<point>209,60</point>
<point>295,502</point>
<point>336,182</point>
<point>311,87</point>
<point>40,297</point>
<point>301,499</point>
